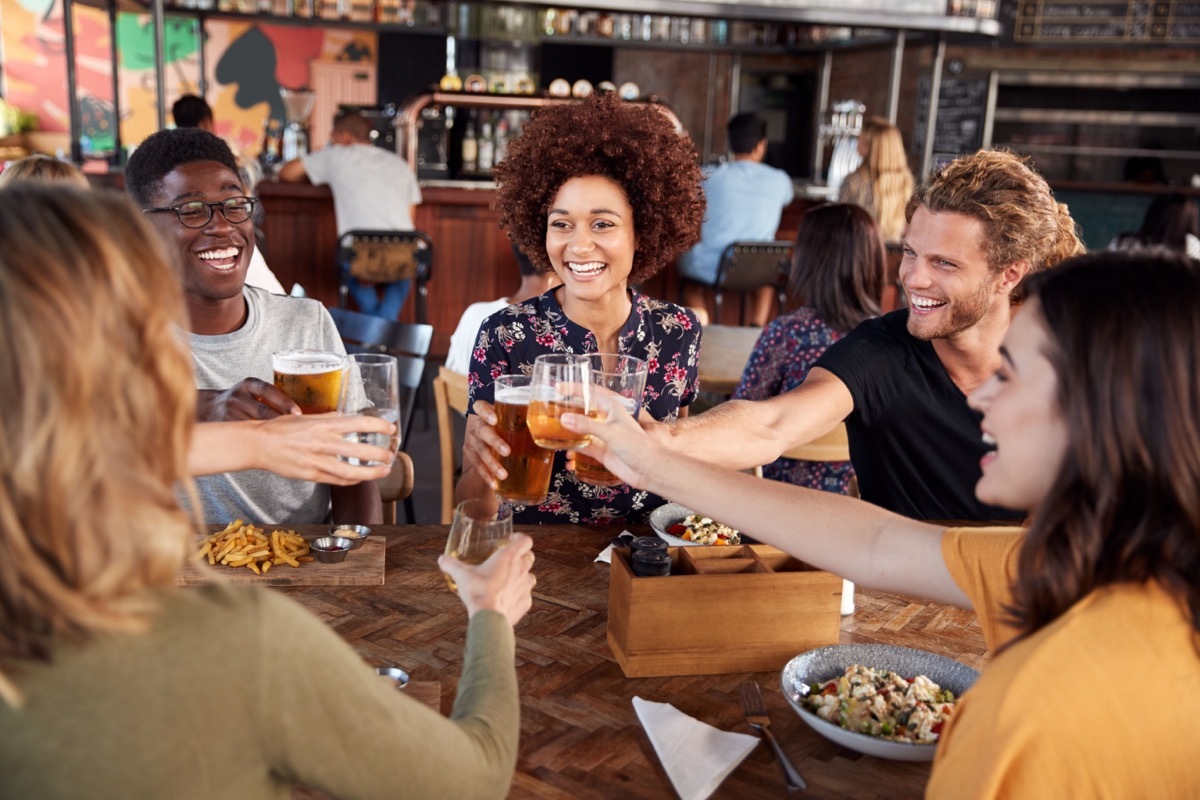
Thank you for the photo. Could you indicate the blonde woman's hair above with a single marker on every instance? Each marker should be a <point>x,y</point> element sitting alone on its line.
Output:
<point>96,403</point>
<point>892,182</point>
<point>43,169</point>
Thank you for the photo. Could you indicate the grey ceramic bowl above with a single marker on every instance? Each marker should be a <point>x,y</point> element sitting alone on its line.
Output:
<point>331,549</point>
<point>357,534</point>
<point>824,663</point>
<point>394,674</point>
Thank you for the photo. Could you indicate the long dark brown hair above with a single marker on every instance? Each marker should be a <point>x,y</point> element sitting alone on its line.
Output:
<point>1125,344</point>
<point>838,264</point>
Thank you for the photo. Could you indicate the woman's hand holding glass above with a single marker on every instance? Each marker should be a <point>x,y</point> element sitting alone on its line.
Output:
<point>618,441</point>
<point>483,446</point>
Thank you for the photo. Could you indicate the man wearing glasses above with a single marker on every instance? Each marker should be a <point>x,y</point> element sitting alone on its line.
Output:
<point>186,182</point>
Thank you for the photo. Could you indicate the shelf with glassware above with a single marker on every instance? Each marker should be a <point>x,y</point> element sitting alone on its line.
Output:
<point>455,138</point>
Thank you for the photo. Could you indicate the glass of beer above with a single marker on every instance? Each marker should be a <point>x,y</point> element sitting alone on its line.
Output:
<point>624,376</point>
<point>478,530</point>
<point>372,389</point>
<point>528,465</point>
<point>561,383</point>
<point>312,378</point>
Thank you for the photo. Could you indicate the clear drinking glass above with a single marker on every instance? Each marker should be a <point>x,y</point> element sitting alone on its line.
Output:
<point>312,378</point>
<point>529,467</point>
<point>561,383</point>
<point>625,376</point>
<point>478,530</point>
<point>373,390</point>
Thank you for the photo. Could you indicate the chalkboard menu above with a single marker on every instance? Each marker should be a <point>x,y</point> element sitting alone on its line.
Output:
<point>1103,22</point>
<point>958,129</point>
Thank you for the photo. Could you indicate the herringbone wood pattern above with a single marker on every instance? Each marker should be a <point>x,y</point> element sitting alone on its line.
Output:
<point>580,737</point>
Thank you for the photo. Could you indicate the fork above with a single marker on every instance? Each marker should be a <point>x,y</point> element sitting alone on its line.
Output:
<point>756,717</point>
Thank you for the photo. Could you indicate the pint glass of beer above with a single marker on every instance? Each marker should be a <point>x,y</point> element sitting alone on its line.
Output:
<point>312,378</point>
<point>625,376</point>
<point>528,465</point>
<point>562,383</point>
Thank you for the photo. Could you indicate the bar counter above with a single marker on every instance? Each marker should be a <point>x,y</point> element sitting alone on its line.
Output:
<point>472,259</point>
<point>580,737</point>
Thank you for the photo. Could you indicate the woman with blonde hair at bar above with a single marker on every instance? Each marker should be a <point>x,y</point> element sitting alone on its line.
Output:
<point>113,681</point>
<point>883,182</point>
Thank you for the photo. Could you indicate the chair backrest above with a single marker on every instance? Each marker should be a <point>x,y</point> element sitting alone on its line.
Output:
<point>749,265</point>
<point>398,485</point>
<point>414,245</point>
<point>833,446</point>
<point>449,394</point>
<point>409,343</point>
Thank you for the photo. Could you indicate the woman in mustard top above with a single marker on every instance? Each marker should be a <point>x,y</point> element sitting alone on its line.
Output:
<point>1092,611</point>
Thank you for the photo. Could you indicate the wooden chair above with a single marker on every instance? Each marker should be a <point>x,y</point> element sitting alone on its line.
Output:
<point>449,394</point>
<point>405,254</point>
<point>833,446</point>
<point>409,343</point>
<point>747,266</point>
<point>397,486</point>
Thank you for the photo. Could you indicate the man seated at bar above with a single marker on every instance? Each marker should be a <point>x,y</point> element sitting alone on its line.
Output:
<point>373,189</point>
<point>745,199</point>
<point>186,182</point>
<point>977,228</point>
<point>115,682</point>
<point>1092,612</point>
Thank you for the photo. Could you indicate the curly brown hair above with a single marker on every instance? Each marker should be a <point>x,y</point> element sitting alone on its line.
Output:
<point>1021,218</point>
<point>635,146</point>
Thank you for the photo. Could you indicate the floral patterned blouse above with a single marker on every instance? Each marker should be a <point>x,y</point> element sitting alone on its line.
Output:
<point>782,357</point>
<point>666,335</point>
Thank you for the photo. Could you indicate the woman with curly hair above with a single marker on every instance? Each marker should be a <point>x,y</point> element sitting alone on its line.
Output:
<point>605,194</point>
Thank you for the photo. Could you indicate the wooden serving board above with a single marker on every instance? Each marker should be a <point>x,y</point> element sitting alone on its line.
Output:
<point>362,567</point>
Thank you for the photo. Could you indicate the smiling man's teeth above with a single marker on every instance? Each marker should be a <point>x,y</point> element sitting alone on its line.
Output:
<point>214,255</point>
<point>927,303</point>
<point>590,268</point>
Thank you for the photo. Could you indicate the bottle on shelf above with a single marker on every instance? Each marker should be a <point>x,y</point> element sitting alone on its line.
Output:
<point>487,147</point>
<point>470,148</point>
<point>501,140</point>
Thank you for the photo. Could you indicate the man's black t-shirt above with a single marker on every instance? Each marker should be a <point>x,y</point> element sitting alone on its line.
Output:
<point>914,442</point>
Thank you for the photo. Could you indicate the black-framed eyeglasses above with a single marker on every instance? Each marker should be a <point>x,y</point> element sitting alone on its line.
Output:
<point>197,213</point>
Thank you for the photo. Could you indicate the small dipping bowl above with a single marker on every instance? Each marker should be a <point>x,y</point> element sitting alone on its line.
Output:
<point>331,549</point>
<point>650,563</point>
<point>394,674</point>
<point>357,534</point>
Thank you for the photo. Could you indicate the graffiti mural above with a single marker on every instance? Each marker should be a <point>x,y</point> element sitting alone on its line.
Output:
<point>246,63</point>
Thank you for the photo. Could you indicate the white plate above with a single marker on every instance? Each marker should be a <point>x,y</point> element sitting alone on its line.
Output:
<point>667,515</point>
<point>824,663</point>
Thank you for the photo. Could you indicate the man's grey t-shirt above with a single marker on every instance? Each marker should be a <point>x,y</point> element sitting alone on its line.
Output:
<point>273,322</point>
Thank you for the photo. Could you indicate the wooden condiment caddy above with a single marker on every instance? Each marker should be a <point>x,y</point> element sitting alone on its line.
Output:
<point>748,608</point>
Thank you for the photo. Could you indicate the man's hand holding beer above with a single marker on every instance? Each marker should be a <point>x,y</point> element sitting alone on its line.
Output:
<point>250,399</point>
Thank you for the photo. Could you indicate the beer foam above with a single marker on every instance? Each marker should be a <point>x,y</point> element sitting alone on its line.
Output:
<point>514,395</point>
<point>306,363</point>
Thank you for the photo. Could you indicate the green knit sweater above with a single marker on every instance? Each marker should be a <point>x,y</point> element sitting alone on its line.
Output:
<point>240,693</point>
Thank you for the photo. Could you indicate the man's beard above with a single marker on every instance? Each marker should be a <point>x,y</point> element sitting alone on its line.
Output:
<point>964,314</point>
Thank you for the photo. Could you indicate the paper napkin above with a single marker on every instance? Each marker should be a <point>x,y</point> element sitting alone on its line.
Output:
<point>695,755</point>
<point>606,554</point>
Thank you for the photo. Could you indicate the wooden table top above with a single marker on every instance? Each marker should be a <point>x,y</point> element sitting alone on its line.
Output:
<point>580,736</point>
<point>724,351</point>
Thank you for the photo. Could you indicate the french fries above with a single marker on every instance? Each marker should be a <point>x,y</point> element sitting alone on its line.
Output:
<point>242,545</point>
